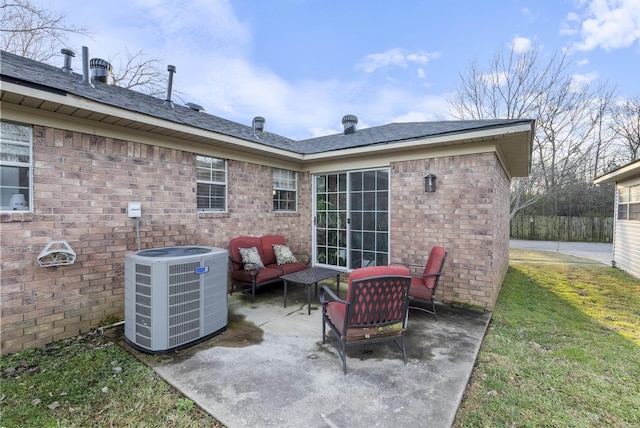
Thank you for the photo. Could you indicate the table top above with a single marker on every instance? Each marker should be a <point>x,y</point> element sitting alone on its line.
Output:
<point>311,275</point>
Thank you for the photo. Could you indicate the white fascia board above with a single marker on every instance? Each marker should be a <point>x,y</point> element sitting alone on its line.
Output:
<point>378,160</point>
<point>620,174</point>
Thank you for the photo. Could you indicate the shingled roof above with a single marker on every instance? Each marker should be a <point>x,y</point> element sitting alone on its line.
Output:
<point>36,75</point>
<point>397,132</point>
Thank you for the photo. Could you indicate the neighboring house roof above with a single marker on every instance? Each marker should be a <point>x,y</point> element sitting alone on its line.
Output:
<point>38,85</point>
<point>625,172</point>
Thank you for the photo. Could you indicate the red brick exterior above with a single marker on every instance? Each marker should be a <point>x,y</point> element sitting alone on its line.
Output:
<point>82,184</point>
<point>468,215</point>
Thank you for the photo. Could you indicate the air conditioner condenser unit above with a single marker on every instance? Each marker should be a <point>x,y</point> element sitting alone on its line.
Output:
<point>174,297</point>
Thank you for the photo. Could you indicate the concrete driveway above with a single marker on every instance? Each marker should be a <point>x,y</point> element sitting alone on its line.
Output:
<point>602,253</point>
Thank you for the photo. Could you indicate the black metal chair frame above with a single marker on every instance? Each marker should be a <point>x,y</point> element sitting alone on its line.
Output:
<point>354,293</point>
<point>246,286</point>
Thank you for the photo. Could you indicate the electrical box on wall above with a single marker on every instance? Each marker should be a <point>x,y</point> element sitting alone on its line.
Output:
<point>134,209</point>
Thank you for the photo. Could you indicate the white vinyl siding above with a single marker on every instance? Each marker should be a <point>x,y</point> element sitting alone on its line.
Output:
<point>626,252</point>
<point>626,243</point>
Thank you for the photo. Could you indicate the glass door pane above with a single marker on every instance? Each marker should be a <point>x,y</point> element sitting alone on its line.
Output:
<point>369,214</point>
<point>352,219</point>
<point>331,219</point>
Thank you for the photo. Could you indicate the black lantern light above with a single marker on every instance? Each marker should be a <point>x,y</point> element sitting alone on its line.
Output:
<point>430,183</point>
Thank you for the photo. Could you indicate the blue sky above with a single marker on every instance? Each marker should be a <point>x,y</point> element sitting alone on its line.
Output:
<point>303,64</point>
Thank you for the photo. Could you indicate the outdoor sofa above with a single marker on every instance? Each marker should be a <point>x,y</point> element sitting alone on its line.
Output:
<point>255,262</point>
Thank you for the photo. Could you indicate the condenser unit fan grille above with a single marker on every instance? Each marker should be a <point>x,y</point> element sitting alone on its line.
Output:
<point>184,303</point>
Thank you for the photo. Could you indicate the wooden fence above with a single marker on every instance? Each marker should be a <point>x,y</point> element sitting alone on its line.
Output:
<point>548,228</point>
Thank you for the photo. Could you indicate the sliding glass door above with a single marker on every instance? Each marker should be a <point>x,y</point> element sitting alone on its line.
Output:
<point>351,219</point>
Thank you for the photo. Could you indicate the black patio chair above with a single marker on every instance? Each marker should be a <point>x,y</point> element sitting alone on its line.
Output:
<point>374,310</point>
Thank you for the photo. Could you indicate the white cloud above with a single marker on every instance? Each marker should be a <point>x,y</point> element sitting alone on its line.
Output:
<point>580,80</point>
<point>394,57</point>
<point>416,116</point>
<point>582,62</point>
<point>567,27</point>
<point>495,78</point>
<point>609,24</point>
<point>520,44</point>
<point>211,49</point>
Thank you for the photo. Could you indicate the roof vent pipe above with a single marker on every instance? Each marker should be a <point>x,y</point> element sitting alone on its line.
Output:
<point>171,69</point>
<point>349,122</point>
<point>68,55</point>
<point>258,125</point>
<point>100,70</point>
<point>85,67</point>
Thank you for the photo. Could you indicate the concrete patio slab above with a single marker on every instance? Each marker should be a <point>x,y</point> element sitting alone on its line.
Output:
<point>270,368</point>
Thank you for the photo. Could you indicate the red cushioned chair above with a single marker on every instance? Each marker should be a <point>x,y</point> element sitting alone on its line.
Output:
<point>374,310</point>
<point>423,285</point>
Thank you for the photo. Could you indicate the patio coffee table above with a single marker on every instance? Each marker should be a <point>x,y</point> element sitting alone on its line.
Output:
<point>309,277</point>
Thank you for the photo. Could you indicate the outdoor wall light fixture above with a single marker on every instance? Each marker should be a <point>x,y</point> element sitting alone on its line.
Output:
<point>430,183</point>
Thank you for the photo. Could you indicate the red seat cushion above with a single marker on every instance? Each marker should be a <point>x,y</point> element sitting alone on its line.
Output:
<point>267,242</point>
<point>288,268</point>
<point>336,313</point>
<point>419,290</point>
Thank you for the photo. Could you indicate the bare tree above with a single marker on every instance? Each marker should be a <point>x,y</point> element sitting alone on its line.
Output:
<point>33,33</point>
<point>39,34</point>
<point>524,84</point>
<point>626,127</point>
<point>140,72</point>
<point>603,137</point>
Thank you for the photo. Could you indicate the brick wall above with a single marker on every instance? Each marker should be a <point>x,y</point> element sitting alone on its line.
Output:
<point>464,215</point>
<point>250,210</point>
<point>82,184</point>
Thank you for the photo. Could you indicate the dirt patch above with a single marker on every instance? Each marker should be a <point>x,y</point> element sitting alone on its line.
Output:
<point>239,333</point>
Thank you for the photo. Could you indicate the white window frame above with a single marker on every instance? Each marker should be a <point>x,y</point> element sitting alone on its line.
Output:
<point>7,190</point>
<point>284,180</point>
<point>211,180</point>
<point>629,203</point>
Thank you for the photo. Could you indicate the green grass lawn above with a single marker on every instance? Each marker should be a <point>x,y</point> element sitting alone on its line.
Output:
<point>562,350</point>
<point>89,382</point>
